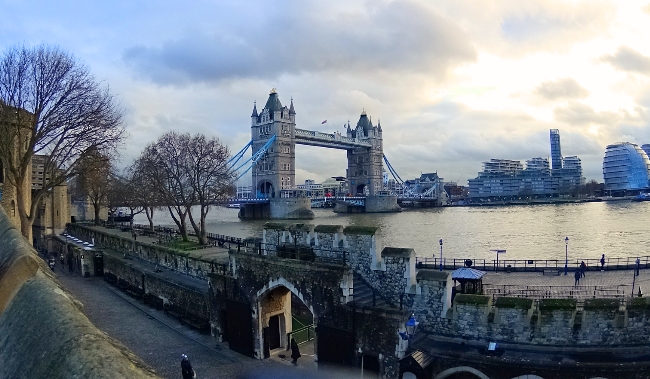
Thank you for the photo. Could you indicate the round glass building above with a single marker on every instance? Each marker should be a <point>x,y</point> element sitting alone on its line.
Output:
<point>625,167</point>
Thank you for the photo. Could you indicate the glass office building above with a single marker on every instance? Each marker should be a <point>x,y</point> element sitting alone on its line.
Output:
<point>625,167</point>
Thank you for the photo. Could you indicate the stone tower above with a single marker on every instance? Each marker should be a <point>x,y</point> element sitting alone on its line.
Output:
<point>365,163</point>
<point>276,170</point>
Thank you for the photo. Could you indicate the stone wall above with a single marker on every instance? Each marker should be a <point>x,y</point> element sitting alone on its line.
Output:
<point>194,300</point>
<point>160,255</point>
<point>39,319</point>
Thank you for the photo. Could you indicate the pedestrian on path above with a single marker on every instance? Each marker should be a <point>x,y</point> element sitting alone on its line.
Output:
<point>583,268</point>
<point>577,275</point>
<point>638,264</point>
<point>186,368</point>
<point>602,263</point>
<point>295,352</point>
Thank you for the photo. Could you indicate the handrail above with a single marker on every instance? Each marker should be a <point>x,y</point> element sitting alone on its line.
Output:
<point>534,265</point>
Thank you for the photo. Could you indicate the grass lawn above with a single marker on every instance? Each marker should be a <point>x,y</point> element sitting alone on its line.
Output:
<point>182,245</point>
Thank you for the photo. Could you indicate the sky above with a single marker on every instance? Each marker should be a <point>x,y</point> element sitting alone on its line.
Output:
<point>454,83</point>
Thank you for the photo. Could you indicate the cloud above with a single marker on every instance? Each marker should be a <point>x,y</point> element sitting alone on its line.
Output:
<point>398,36</point>
<point>627,59</point>
<point>580,114</point>
<point>565,88</point>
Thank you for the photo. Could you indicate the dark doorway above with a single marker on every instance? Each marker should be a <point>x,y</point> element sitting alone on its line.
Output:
<point>371,363</point>
<point>274,332</point>
<point>361,188</point>
<point>239,330</point>
<point>98,260</point>
<point>335,346</point>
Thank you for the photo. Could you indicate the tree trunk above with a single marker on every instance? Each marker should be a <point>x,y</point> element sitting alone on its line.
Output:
<point>97,208</point>
<point>196,227</point>
<point>26,221</point>
<point>149,212</point>
<point>180,221</point>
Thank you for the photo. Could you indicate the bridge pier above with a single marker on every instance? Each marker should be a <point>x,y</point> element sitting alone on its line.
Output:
<point>382,204</point>
<point>371,204</point>
<point>291,208</point>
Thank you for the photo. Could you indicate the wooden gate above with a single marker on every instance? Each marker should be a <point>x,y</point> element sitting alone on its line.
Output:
<point>239,327</point>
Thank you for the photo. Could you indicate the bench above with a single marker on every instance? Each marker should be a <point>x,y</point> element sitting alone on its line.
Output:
<point>175,311</point>
<point>552,271</point>
<point>201,324</point>
<point>154,301</point>
<point>135,291</point>
<point>110,278</point>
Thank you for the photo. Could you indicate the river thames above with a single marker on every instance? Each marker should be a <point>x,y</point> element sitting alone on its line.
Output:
<point>616,229</point>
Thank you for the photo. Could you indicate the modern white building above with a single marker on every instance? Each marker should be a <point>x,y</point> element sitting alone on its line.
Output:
<point>626,167</point>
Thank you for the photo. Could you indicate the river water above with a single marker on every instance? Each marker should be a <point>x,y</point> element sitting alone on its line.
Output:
<point>617,229</point>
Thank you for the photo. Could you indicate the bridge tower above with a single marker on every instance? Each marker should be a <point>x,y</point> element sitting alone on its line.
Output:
<point>276,170</point>
<point>365,164</point>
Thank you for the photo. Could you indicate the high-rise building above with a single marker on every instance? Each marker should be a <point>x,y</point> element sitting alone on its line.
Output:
<point>625,167</point>
<point>508,178</point>
<point>556,150</point>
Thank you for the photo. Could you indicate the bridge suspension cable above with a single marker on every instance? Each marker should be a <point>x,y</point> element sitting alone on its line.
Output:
<point>235,158</point>
<point>253,159</point>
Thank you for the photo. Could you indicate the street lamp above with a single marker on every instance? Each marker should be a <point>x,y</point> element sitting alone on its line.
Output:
<point>566,255</point>
<point>411,326</point>
<point>441,254</point>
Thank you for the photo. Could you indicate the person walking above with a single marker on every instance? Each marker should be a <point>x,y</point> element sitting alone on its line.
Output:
<point>295,352</point>
<point>577,276</point>
<point>583,268</point>
<point>602,263</point>
<point>638,264</point>
<point>186,368</point>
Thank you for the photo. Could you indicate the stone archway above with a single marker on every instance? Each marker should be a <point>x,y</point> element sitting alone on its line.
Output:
<point>276,319</point>
<point>452,371</point>
<point>361,190</point>
<point>266,189</point>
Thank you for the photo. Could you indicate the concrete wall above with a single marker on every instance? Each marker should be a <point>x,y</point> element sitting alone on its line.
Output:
<point>44,334</point>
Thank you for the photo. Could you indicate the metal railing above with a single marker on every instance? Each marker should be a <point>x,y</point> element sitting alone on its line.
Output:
<point>553,292</point>
<point>539,265</point>
<point>302,335</point>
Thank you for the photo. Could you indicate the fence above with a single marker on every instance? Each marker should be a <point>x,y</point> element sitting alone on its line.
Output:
<point>302,335</point>
<point>539,265</point>
<point>553,292</point>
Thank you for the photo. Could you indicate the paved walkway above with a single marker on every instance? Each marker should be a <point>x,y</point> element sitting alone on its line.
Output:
<point>159,339</point>
<point>613,280</point>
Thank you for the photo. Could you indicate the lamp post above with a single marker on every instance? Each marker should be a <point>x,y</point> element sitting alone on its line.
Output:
<point>566,255</point>
<point>441,254</point>
<point>411,326</point>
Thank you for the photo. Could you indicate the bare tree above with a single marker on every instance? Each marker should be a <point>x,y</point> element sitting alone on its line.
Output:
<point>187,171</point>
<point>144,189</point>
<point>211,181</point>
<point>52,106</point>
<point>161,163</point>
<point>95,179</point>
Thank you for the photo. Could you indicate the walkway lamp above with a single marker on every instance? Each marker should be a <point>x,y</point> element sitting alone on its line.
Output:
<point>411,326</point>
<point>441,254</point>
<point>566,255</point>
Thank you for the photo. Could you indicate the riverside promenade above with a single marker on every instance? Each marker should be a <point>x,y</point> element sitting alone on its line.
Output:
<point>609,283</point>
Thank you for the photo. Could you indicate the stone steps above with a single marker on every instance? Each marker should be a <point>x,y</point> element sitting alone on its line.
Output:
<point>363,294</point>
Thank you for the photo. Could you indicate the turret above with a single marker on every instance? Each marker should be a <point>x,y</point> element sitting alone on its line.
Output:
<point>254,115</point>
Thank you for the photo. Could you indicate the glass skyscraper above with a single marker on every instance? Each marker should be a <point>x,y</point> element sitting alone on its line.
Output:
<point>625,167</point>
<point>556,150</point>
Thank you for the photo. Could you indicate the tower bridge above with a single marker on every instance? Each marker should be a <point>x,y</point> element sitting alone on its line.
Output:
<point>273,140</point>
